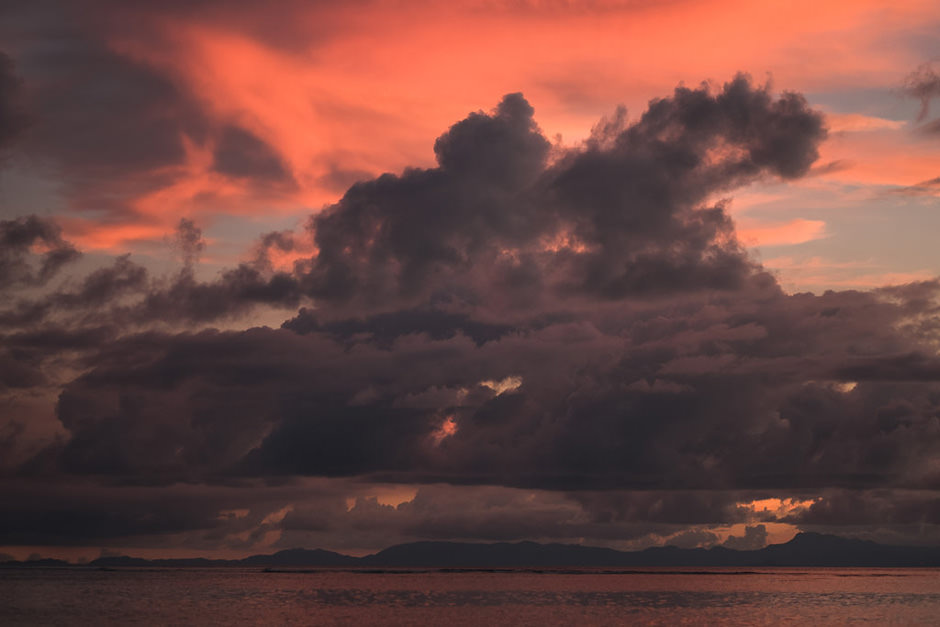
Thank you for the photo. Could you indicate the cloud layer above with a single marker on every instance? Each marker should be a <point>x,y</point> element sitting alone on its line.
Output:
<point>581,322</point>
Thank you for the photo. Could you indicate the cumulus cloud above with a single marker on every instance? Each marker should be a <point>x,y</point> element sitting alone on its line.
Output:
<point>628,214</point>
<point>649,355</point>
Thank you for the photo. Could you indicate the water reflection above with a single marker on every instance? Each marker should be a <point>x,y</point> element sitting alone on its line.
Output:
<point>221,596</point>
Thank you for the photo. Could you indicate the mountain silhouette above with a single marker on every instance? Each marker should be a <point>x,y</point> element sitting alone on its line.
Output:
<point>805,549</point>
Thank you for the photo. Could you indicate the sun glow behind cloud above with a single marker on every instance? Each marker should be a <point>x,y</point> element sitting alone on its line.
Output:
<point>447,428</point>
<point>502,386</point>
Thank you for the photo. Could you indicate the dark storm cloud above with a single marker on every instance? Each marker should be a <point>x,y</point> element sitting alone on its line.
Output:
<point>575,320</point>
<point>55,515</point>
<point>707,396</point>
<point>493,514</point>
<point>25,356</point>
<point>149,395</point>
<point>484,513</point>
<point>914,366</point>
<point>18,373</point>
<point>626,214</point>
<point>653,353</point>
<point>337,513</point>
<point>678,507</point>
<point>385,328</point>
<point>882,515</point>
<point>83,512</point>
<point>871,507</point>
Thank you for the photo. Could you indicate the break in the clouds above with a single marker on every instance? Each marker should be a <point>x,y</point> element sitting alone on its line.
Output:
<point>539,341</point>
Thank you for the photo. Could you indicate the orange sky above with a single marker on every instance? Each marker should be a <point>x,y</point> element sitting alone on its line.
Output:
<point>344,91</point>
<point>330,93</point>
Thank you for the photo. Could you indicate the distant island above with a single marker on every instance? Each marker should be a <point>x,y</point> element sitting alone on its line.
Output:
<point>805,550</point>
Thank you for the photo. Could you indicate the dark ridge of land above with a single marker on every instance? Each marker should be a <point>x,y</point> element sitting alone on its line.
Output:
<point>804,550</point>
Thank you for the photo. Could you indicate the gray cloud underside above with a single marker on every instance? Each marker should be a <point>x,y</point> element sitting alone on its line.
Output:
<point>345,515</point>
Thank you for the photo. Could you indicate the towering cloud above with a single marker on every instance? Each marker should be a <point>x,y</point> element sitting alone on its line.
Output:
<point>580,321</point>
<point>634,212</point>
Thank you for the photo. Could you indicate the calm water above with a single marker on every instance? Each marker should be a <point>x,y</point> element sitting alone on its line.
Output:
<point>662,596</point>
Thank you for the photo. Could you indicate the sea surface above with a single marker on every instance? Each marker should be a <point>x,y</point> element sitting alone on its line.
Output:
<point>662,596</point>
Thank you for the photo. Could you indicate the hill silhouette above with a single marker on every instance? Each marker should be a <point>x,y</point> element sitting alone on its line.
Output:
<point>805,549</point>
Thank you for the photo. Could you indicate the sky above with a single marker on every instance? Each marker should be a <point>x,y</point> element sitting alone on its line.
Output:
<point>342,275</point>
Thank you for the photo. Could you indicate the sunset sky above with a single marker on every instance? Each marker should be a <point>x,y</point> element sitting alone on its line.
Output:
<point>341,275</point>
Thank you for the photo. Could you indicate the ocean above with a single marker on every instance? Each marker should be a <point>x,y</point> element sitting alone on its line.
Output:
<point>661,596</point>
